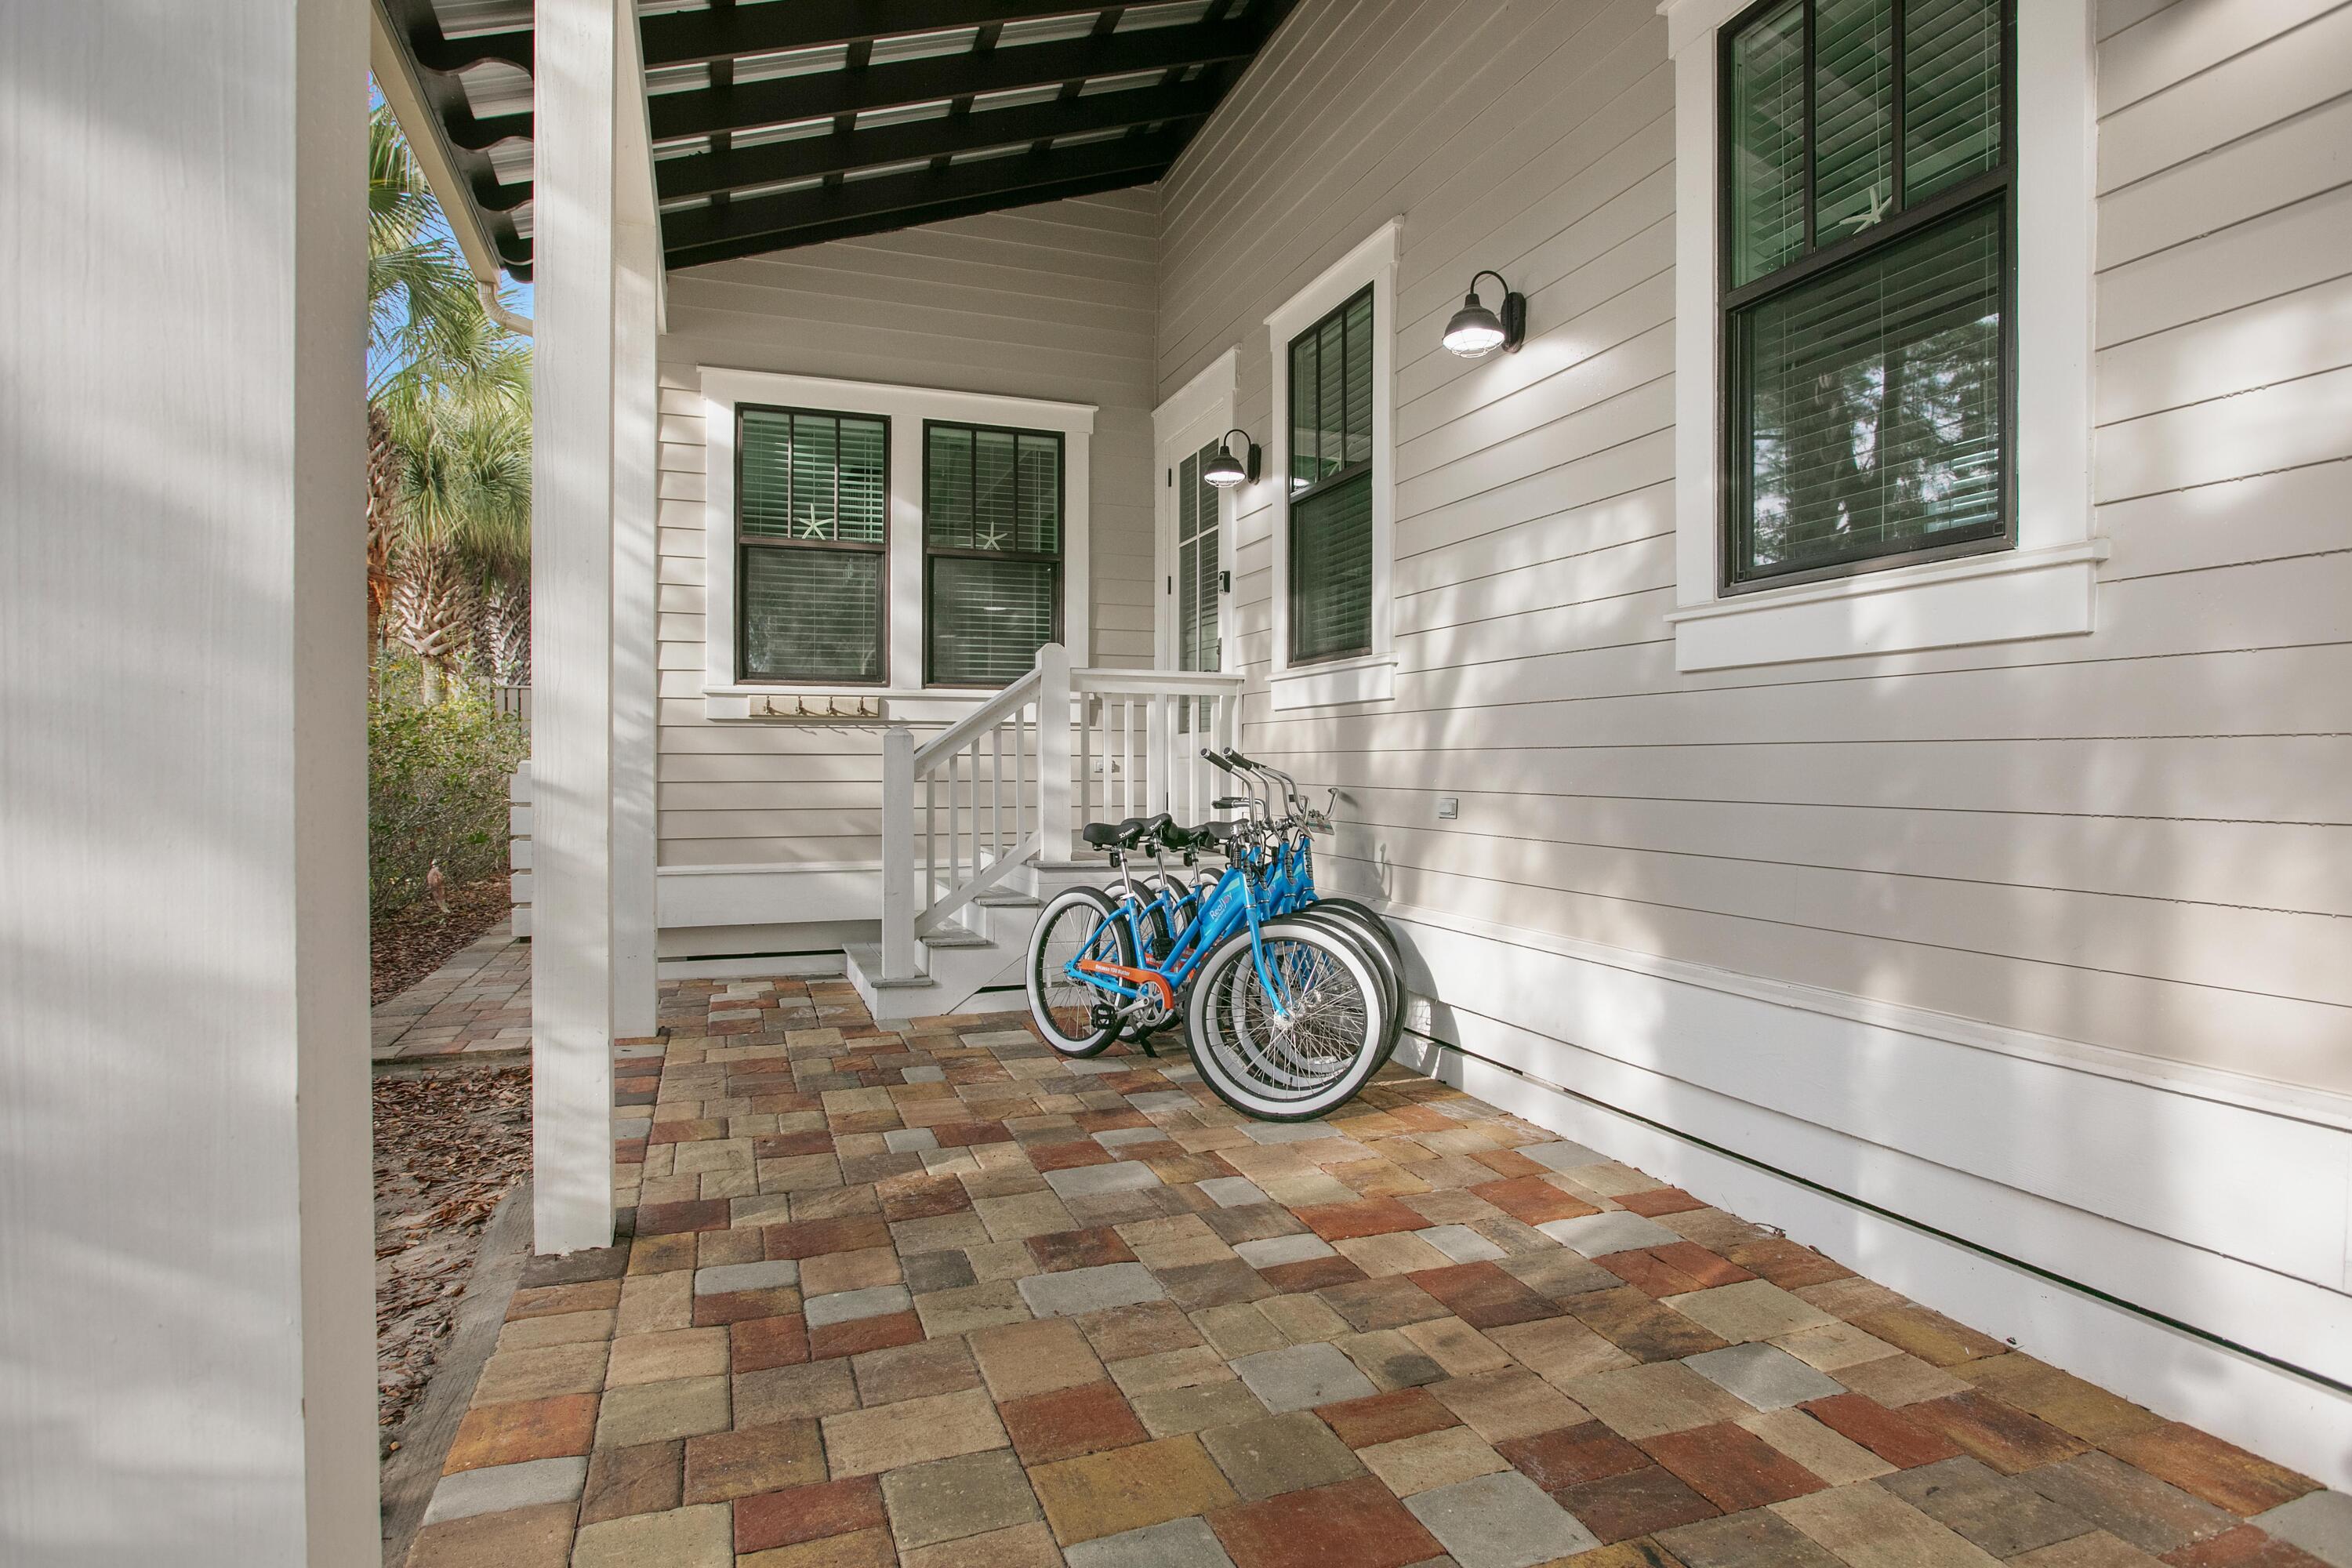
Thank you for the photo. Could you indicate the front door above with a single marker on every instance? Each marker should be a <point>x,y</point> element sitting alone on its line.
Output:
<point>1191,579</point>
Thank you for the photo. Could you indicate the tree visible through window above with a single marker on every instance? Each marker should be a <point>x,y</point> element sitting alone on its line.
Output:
<point>811,521</point>
<point>1867,284</point>
<point>992,551</point>
<point>1331,485</point>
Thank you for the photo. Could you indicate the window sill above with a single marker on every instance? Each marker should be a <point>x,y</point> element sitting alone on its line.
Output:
<point>2008,597</point>
<point>1367,677</point>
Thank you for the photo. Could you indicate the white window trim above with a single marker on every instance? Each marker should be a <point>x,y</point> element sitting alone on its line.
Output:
<point>1369,676</point>
<point>2045,587</point>
<point>725,695</point>
<point>1204,401</point>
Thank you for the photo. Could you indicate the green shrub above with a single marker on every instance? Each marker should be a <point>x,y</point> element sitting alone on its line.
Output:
<point>436,788</point>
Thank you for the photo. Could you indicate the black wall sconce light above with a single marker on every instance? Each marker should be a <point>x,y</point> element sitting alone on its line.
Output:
<point>1224,470</point>
<point>1475,331</point>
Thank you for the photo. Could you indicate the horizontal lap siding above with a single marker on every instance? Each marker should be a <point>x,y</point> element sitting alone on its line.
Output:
<point>2139,839</point>
<point>1052,301</point>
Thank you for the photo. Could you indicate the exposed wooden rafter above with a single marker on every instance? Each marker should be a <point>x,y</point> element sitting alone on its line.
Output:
<point>748,225</point>
<point>719,179</point>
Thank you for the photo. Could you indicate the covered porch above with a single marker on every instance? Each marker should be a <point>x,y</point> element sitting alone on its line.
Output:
<point>1844,711</point>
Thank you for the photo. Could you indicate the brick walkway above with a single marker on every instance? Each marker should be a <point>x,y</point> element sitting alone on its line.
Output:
<point>478,1001</point>
<point>940,1300</point>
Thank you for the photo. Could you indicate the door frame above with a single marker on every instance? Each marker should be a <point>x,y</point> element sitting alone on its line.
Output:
<point>1201,412</point>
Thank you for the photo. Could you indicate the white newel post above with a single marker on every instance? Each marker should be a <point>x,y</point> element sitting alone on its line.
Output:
<point>1053,720</point>
<point>185,1225</point>
<point>578,52</point>
<point>899,853</point>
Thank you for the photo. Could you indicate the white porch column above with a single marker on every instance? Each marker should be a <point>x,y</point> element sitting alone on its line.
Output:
<point>637,501</point>
<point>577,54</point>
<point>185,1269</point>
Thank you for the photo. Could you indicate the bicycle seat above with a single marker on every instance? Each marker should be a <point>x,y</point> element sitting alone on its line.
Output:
<point>1124,834</point>
<point>1203,835</point>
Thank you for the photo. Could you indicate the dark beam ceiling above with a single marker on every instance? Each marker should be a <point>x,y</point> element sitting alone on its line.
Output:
<point>714,170</point>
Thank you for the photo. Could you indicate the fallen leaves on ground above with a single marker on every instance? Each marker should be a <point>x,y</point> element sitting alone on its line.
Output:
<point>407,946</point>
<point>448,1144</point>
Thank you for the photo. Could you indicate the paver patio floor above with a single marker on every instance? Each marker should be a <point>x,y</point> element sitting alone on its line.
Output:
<point>943,1300</point>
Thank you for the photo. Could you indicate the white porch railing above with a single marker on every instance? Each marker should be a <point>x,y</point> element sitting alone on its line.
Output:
<point>991,793</point>
<point>1139,737</point>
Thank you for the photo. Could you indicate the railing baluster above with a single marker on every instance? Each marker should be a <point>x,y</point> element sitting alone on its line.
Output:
<point>955,844</point>
<point>930,839</point>
<point>1020,782</point>
<point>996,795</point>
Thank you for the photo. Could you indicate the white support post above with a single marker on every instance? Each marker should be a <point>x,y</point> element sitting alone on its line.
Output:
<point>577,57</point>
<point>1054,720</point>
<point>899,853</point>
<point>185,1217</point>
<point>636,454</point>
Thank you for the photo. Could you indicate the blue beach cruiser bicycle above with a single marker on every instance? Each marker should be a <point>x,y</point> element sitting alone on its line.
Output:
<point>1289,1000</point>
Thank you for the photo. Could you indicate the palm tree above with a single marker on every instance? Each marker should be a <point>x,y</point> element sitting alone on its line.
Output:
<point>449,437</point>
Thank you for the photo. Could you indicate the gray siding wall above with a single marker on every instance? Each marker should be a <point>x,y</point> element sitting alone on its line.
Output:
<point>1052,302</point>
<point>2137,839</point>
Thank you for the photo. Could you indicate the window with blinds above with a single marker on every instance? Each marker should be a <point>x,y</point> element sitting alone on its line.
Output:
<point>1196,582</point>
<point>1868,280</point>
<point>812,525</point>
<point>1331,485</point>
<point>992,551</point>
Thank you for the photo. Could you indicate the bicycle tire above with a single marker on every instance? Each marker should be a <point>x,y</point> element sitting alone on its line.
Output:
<point>1043,1003</point>
<point>1303,1076</point>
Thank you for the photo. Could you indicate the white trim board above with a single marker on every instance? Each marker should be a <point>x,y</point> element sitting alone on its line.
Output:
<point>905,408</point>
<point>1371,676</point>
<point>2252,1403</point>
<point>2047,586</point>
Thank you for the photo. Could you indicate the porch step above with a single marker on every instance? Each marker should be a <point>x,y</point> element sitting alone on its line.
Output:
<point>954,935</point>
<point>865,966</point>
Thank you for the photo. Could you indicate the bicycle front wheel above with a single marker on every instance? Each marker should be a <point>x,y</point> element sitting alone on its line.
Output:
<point>1295,1039</point>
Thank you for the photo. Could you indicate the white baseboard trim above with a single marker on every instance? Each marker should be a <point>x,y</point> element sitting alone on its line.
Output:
<point>2249,1401</point>
<point>795,964</point>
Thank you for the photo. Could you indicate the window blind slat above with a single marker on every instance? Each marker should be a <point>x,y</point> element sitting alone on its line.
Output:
<point>1854,116</point>
<point>1304,379</point>
<point>999,492</point>
<point>1331,400</point>
<point>1331,571</point>
<point>1952,93</point>
<point>988,618</point>
<point>1767,142</point>
<point>811,615</point>
<point>1875,400</point>
<point>1357,420</point>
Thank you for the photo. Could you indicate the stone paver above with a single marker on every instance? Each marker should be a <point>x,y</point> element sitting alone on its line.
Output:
<point>934,1297</point>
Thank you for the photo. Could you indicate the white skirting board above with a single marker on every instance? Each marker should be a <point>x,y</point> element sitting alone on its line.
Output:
<point>1942,1235</point>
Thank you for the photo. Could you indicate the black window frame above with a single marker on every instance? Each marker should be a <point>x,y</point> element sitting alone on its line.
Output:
<point>932,552</point>
<point>1293,495</point>
<point>744,543</point>
<point>1996,185</point>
